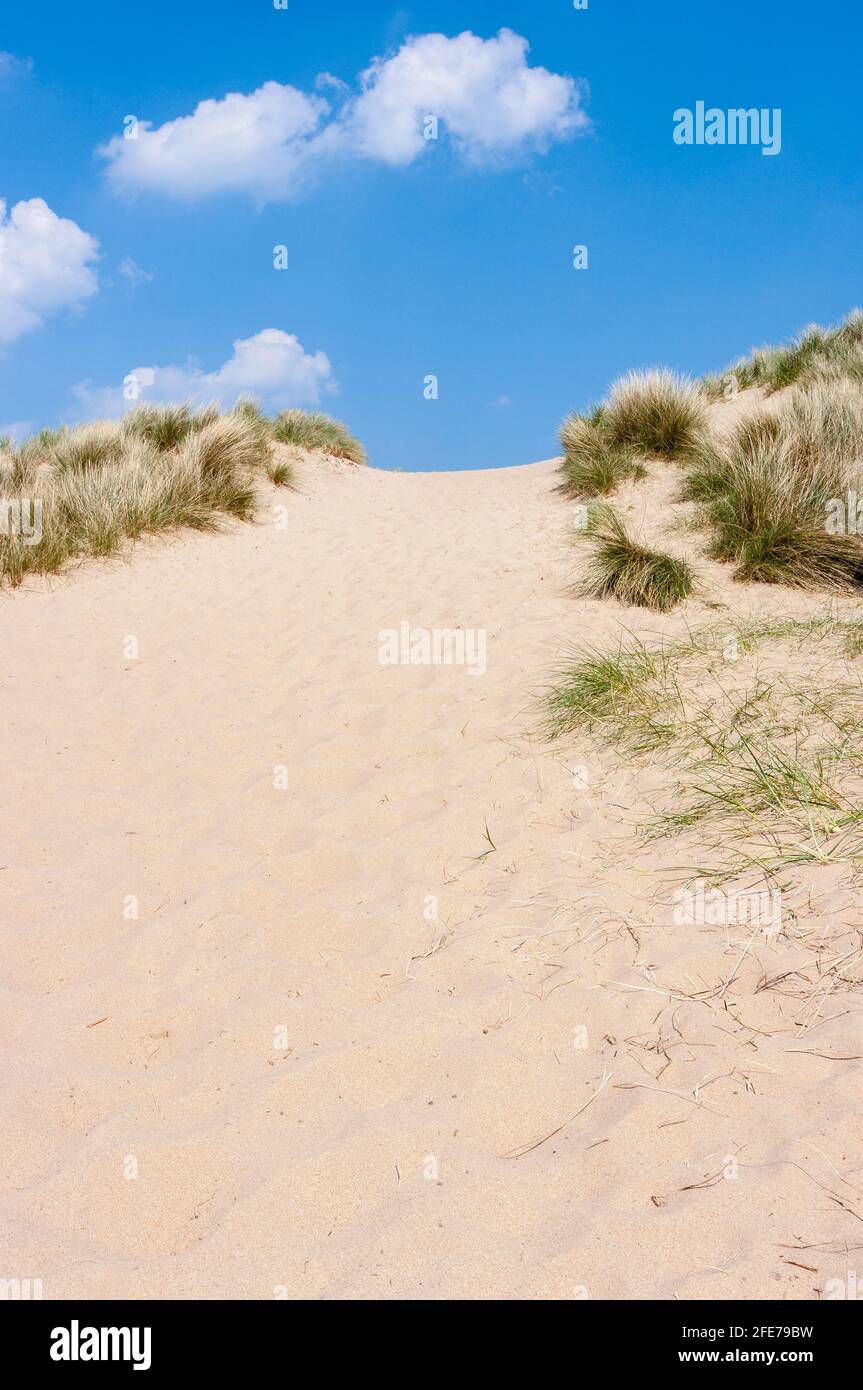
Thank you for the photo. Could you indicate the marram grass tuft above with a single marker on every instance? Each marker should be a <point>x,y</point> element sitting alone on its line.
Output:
<point>90,489</point>
<point>634,574</point>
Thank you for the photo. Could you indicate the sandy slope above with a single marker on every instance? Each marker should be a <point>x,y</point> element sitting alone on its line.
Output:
<point>366,1158</point>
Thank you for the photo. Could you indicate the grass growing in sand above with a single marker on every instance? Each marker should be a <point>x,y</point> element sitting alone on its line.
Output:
<point>778,492</point>
<point>103,484</point>
<point>763,770</point>
<point>621,696</point>
<point>774,491</point>
<point>634,574</point>
<point>312,430</point>
<point>815,354</point>
<point>653,414</point>
<point>166,426</point>
<point>656,414</point>
<point>593,466</point>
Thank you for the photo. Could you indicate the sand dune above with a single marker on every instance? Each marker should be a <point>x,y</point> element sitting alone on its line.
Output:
<point>343,1045</point>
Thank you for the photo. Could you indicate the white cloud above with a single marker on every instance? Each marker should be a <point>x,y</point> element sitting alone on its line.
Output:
<point>273,143</point>
<point>44,266</point>
<point>257,143</point>
<point>272,366</point>
<point>484,91</point>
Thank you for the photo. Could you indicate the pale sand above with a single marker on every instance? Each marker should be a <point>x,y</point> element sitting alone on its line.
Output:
<point>410,1043</point>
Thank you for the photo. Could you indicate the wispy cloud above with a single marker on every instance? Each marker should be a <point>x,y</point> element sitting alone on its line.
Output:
<point>275,142</point>
<point>16,430</point>
<point>133,274</point>
<point>13,66</point>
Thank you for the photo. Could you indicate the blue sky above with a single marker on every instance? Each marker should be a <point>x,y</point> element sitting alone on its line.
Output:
<point>455,261</point>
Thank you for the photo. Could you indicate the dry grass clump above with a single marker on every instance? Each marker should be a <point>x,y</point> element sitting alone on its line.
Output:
<point>166,426</point>
<point>634,574</point>
<point>96,487</point>
<point>814,354</point>
<point>68,493</point>
<point>776,491</point>
<point>592,465</point>
<point>656,414</point>
<point>764,769</point>
<point>278,468</point>
<point>313,430</point>
<point>653,414</point>
<point>88,446</point>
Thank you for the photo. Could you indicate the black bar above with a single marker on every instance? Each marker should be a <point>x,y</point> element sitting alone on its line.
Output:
<point>231,1337</point>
